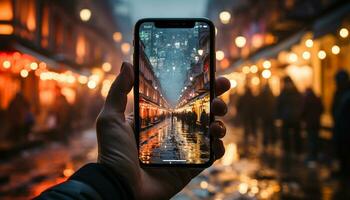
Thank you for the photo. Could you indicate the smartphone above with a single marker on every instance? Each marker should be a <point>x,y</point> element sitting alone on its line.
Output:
<point>174,64</point>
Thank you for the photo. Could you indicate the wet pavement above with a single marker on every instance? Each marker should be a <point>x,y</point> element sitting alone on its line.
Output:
<point>173,141</point>
<point>260,173</point>
<point>27,174</point>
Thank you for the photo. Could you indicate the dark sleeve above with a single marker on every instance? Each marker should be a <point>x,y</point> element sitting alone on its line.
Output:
<point>93,181</point>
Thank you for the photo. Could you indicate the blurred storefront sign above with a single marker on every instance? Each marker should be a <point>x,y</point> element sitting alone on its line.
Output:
<point>47,52</point>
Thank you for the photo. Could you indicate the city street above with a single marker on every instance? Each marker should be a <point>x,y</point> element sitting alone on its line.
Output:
<point>260,175</point>
<point>171,141</point>
<point>252,176</point>
<point>28,173</point>
<point>288,103</point>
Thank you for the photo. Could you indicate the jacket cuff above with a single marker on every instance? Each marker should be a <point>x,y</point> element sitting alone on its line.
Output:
<point>107,184</point>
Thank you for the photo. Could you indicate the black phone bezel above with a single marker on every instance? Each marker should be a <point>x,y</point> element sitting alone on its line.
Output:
<point>173,23</point>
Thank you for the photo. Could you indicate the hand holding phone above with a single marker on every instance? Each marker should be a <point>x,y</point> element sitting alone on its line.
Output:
<point>118,148</point>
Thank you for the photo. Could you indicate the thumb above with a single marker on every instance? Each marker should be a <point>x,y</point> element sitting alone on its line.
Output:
<point>122,85</point>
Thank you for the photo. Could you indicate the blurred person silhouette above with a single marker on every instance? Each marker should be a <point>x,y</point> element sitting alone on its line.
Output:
<point>20,117</point>
<point>204,121</point>
<point>311,115</point>
<point>289,108</point>
<point>193,119</point>
<point>62,110</point>
<point>341,116</point>
<point>267,112</point>
<point>117,173</point>
<point>246,108</point>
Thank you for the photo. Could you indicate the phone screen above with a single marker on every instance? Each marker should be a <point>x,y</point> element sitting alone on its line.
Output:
<point>174,94</point>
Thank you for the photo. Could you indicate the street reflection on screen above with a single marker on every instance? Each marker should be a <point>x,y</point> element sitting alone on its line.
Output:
<point>174,94</point>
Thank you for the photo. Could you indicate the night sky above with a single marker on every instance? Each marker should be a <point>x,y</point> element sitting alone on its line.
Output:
<point>171,52</point>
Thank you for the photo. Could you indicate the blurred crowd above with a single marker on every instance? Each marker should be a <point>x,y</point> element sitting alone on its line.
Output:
<point>290,115</point>
<point>20,122</point>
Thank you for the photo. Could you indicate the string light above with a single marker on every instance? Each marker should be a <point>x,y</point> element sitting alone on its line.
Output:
<point>335,49</point>
<point>117,36</point>
<point>344,33</point>
<point>253,69</point>
<point>240,41</point>
<point>246,69</point>
<point>306,55</point>
<point>309,43</point>
<point>255,81</point>
<point>106,66</point>
<point>322,55</point>
<point>225,17</point>
<point>82,79</point>
<point>125,47</point>
<point>233,83</point>
<point>24,73</point>
<point>292,58</point>
<point>92,84</point>
<point>85,14</point>
<point>33,66</point>
<point>220,55</point>
<point>6,64</point>
<point>266,74</point>
<point>267,64</point>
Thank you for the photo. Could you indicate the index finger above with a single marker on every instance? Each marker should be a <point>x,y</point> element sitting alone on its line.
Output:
<point>222,85</point>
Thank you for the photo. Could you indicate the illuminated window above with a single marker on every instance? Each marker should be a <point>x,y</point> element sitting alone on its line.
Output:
<point>59,39</point>
<point>31,21</point>
<point>6,13</point>
<point>26,16</point>
<point>45,29</point>
<point>80,48</point>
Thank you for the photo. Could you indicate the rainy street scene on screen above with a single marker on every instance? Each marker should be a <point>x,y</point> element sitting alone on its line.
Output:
<point>174,94</point>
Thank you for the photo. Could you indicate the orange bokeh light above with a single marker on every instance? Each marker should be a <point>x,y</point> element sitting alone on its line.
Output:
<point>224,63</point>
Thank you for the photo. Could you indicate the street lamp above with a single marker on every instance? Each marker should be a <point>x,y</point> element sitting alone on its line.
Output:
<point>240,41</point>
<point>85,14</point>
<point>225,17</point>
<point>125,47</point>
<point>117,36</point>
<point>106,66</point>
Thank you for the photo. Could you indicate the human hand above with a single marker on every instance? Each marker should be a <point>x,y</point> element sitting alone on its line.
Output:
<point>117,146</point>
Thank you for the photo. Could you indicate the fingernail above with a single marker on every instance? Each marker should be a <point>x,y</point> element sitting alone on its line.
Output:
<point>220,124</point>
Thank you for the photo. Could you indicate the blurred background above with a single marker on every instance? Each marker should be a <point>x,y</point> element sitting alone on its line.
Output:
<point>287,61</point>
